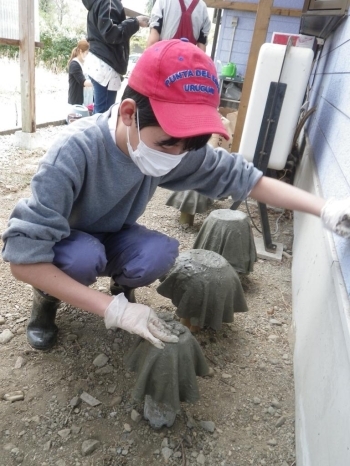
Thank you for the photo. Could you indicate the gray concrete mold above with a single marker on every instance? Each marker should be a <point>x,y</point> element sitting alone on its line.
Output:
<point>167,375</point>
<point>204,288</point>
<point>189,202</point>
<point>228,232</point>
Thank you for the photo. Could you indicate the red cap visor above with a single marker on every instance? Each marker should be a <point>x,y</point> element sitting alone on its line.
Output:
<point>186,120</point>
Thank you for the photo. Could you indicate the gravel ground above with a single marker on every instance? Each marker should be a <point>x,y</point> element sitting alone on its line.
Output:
<point>249,401</point>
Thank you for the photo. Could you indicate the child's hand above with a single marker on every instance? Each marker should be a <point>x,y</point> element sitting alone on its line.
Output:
<point>335,215</point>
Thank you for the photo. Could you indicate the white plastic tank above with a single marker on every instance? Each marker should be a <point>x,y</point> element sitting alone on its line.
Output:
<point>295,73</point>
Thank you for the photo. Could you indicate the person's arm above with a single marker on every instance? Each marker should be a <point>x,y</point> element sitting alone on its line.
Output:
<point>48,278</point>
<point>278,194</point>
<point>76,72</point>
<point>153,37</point>
<point>113,26</point>
<point>116,310</point>
<point>204,32</point>
<point>334,213</point>
<point>155,23</point>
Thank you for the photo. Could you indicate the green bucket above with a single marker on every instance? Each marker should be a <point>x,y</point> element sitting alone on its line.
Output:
<point>229,70</point>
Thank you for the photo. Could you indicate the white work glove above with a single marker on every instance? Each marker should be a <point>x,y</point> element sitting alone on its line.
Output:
<point>138,319</point>
<point>335,215</point>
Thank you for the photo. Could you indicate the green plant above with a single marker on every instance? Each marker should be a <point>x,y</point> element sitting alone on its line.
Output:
<point>56,50</point>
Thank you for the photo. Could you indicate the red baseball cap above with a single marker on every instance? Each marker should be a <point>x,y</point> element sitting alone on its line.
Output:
<point>181,83</point>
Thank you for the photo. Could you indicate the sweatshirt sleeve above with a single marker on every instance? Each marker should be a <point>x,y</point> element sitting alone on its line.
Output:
<point>113,26</point>
<point>214,173</point>
<point>76,71</point>
<point>39,222</point>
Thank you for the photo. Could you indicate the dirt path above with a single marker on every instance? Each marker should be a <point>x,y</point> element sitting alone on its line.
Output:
<point>249,399</point>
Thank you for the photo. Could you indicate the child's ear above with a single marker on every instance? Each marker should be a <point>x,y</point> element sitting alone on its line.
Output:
<point>127,109</point>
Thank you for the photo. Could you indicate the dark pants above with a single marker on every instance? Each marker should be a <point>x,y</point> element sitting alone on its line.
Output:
<point>134,256</point>
<point>103,98</point>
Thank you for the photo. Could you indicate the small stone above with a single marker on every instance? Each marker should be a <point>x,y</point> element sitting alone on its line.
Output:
<point>164,443</point>
<point>191,423</point>
<point>166,453</point>
<point>276,404</point>
<point>127,427</point>
<point>275,322</point>
<point>60,463</point>
<point>274,361</point>
<point>20,362</point>
<point>74,402</point>
<point>209,426</point>
<point>17,395</point>
<point>200,458</point>
<point>272,337</point>
<point>89,446</point>
<point>6,336</point>
<point>47,445</point>
<point>135,416</point>
<point>256,400</point>
<point>100,360</point>
<point>2,320</point>
<point>35,419</point>
<point>177,454</point>
<point>8,446</point>
<point>226,376</point>
<point>76,429</point>
<point>280,421</point>
<point>272,442</point>
<point>104,370</point>
<point>90,400</point>
<point>271,410</point>
<point>64,433</point>
<point>111,389</point>
<point>116,401</point>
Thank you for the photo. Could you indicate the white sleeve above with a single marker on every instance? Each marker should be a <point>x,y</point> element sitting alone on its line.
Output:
<point>156,14</point>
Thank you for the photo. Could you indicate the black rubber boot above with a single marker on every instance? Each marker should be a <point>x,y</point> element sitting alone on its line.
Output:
<point>129,293</point>
<point>41,330</point>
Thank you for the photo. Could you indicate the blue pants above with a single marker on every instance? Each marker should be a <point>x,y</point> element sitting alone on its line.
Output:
<point>134,256</point>
<point>103,98</point>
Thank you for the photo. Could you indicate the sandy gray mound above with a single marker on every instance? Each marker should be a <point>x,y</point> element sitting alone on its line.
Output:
<point>189,202</point>
<point>228,232</point>
<point>204,288</point>
<point>168,375</point>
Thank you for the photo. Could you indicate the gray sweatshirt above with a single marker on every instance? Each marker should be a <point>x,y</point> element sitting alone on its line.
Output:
<point>85,182</point>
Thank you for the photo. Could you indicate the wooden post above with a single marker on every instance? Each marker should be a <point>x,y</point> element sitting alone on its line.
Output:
<point>27,64</point>
<point>259,37</point>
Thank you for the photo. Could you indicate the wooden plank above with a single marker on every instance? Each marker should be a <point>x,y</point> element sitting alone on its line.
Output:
<point>15,42</point>
<point>232,5</point>
<point>286,12</point>
<point>27,64</point>
<point>240,6</point>
<point>259,37</point>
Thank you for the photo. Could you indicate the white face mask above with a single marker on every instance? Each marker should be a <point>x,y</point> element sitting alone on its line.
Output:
<point>152,162</point>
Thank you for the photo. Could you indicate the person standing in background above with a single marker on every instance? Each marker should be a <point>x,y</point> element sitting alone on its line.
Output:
<point>109,35</point>
<point>76,78</point>
<point>177,19</point>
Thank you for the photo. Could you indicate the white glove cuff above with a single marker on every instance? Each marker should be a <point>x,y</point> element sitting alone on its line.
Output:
<point>115,311</point>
